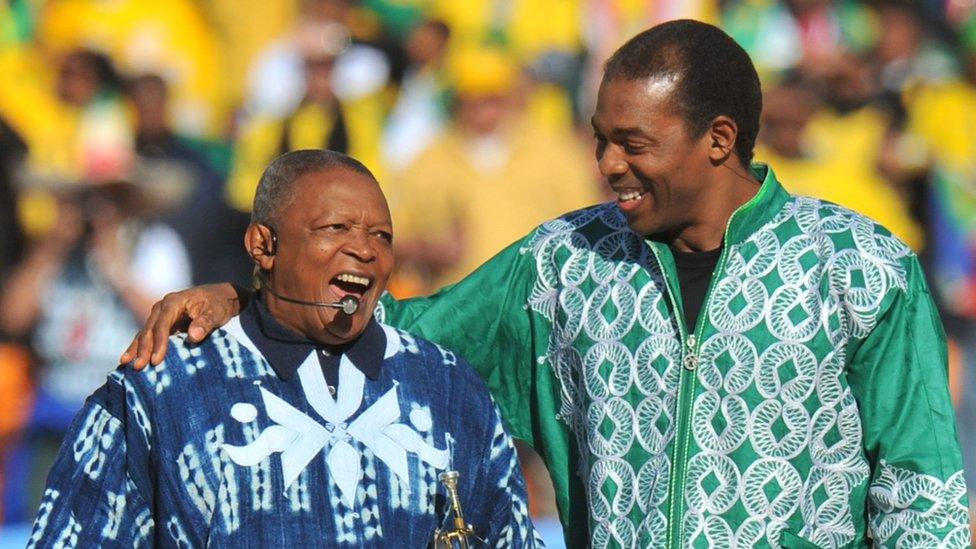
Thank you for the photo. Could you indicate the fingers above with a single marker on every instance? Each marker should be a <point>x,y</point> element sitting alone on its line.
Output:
<point>200,327</point>
<point>191,309</point>
<point>169,314</point>
<point>139,350</point>
<point>130,351</point>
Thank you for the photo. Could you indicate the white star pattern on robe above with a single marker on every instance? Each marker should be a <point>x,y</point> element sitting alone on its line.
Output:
<point>299,438</point>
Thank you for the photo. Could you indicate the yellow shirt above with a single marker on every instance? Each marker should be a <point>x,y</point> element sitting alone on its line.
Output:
<point>545,175</point>
<point>260,142</point>
<point>531,27</point>
<point>168,37</point>
<point>944,118</point>
<point>243,29</point>
<point>843,173</point>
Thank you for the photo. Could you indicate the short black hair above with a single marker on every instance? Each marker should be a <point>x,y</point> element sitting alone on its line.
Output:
<point>442,29</point>
<point>100,65</point>
<point>278,180</point>
<point>714,75</point>
<point>149,80</point>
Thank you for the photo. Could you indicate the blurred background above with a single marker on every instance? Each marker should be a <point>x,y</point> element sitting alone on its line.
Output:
<point>133,134</point>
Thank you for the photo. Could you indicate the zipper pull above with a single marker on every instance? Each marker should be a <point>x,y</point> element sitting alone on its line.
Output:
<point>690,361</point>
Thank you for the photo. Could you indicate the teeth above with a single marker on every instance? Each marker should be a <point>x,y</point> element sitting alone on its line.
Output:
<point>629,195</point>
<point>362,281</point>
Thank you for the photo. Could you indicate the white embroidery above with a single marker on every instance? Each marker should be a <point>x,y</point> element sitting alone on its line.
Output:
<point>299,438</point>
<point>906,506</point>
<point>615,352</point>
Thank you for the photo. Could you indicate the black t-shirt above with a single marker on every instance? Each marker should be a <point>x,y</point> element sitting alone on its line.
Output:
<point>694,274</point>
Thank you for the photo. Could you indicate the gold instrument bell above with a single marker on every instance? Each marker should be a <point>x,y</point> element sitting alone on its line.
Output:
<point>461,533</point>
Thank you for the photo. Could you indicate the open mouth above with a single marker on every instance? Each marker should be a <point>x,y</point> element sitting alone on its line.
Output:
<point>355,285</point>
<point>630,200</point>
<point>629,196</point>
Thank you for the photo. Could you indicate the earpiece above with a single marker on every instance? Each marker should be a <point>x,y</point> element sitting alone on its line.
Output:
<point>270,250</point>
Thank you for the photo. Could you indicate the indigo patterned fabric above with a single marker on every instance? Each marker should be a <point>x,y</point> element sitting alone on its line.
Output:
<point>214,448</point>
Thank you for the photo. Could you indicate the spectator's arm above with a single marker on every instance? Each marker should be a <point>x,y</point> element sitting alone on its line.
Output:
<point>20,298</point>
<point>159,265</point>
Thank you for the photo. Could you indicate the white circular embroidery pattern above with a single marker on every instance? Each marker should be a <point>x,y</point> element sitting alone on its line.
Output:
<point>767,442</point>
<point>616,416</point>
<point>780,321</point>
<point>656,354</point>
<point>572,299</point>
<point>653,414</point>
<point>862,285</point>
<point>783,480</point>
<point>836,436</point>
<point>652,308</point>
<point>617,477</point>
<point>652,483</point>
<point>794,313</point>
<point>733,413</point>
<point>801,260</point>
<point>609,312</point>
<point>713,469</point>
<point>763,251</point>
<point>608,368</point>
<point>748,297</point>
<point>787,371</point>
<point>732,353</point>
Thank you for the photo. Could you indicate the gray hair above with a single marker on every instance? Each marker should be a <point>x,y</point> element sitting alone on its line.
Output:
<point>278,180</point>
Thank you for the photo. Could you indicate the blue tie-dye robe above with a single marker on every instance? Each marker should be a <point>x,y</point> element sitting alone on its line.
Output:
<point>215,448</point>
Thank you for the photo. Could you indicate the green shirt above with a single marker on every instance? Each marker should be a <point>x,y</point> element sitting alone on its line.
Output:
<point>808,406</point>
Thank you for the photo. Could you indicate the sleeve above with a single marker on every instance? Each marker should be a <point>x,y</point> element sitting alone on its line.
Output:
<point>97,491</point>
<point>485,319</point>
<point>898,376</point>
<point>506,503</point>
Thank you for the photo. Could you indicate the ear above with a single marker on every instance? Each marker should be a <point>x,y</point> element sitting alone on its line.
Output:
<point>259,245</point>
<point>722,134</point>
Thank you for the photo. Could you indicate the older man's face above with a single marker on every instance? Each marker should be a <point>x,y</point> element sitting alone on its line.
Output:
<point>335,238</point>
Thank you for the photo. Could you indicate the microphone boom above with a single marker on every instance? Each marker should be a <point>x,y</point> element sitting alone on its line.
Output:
<point>348,304</point>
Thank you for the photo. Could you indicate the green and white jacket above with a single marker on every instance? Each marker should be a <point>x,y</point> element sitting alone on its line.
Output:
<point>808,408</point>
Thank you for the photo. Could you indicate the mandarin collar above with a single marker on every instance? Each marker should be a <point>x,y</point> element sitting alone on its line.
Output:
<point>286,349</point>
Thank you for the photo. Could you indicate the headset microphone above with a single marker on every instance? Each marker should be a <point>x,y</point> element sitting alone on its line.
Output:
<point>348,304</point>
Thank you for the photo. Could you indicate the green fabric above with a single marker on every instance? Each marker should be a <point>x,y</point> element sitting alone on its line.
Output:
<point>809,405</point>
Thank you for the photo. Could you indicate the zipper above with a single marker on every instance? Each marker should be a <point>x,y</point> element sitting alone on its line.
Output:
<point>687,380</point>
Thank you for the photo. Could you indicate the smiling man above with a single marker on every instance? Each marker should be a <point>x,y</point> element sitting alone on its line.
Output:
<point>707,361</point>
<point>298,423</point>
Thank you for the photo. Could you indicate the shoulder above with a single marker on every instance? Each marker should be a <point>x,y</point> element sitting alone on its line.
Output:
<point>227,354</point>
<point>437,361</point>
<point>581,228</point>
<point>850,232</point>
<point>863,262</point>
<point>597,219</point>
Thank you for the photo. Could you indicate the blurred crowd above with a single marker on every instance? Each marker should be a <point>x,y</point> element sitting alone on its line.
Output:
<point>133,134</point>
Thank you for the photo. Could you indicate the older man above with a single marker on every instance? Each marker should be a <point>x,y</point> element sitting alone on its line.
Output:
<point>298,423</point>
<point>708,361</point>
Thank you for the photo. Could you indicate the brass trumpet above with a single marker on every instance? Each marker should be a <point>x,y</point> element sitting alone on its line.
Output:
<point>462,531</point>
